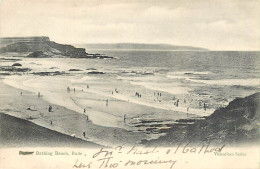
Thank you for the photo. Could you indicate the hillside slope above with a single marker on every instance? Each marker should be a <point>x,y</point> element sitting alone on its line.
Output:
<point>237,123</point>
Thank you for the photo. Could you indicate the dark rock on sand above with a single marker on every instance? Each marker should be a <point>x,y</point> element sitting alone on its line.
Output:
<point>96,72</point>
<point>237,123</point>
<point>48,73</point>
<point>15,132</point>
<point>75,70</point>
<point>14,69</point>
<point>17,64</point>
<point>91,69</point>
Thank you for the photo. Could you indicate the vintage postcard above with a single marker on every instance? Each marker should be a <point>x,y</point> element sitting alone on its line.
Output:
<point>129,84</point>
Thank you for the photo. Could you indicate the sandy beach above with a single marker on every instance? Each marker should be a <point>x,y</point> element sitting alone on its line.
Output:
<point>61,119</point>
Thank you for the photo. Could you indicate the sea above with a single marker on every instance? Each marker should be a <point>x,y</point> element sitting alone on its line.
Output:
<point>140,88</point>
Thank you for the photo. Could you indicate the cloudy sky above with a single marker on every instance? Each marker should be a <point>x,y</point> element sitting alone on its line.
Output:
<point>216,25</point>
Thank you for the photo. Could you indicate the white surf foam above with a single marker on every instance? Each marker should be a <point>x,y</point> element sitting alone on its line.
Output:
<point>172,88</point>
<point>221,82</point>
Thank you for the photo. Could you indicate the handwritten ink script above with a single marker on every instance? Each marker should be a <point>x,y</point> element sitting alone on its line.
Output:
<point>139,157</point>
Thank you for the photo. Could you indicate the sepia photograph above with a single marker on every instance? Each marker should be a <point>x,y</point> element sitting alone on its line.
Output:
<point>129,84</point>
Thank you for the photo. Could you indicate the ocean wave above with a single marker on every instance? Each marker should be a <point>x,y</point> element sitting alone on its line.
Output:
<point>221,82</point>
<point>84,79</point>
<point>164,87</point>
<point>189,73</point>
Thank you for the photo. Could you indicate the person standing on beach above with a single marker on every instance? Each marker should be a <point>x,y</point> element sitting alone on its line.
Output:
<point>177,103</point>
<point>39,94</point>
<point>84,134</point>
<point>50,108</point>
<point>68,89</point>
<point>124,118</point>
<point>21,93</point>
<point>205,106</point>
<point>107,102</point>
<point>74,90</point>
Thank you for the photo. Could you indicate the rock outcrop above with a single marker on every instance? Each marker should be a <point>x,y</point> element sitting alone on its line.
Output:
<point>237,123</point>
<point>43,47</point>
<point>38,54</point>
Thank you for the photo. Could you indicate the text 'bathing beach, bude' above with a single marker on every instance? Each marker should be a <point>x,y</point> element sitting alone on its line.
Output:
<point>130,94</point>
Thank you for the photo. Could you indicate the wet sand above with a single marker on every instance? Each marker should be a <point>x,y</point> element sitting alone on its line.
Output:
<point>62,119</point>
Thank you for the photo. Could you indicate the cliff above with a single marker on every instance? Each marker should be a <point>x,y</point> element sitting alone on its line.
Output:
<point>237,123</point>
<point>43,47</point>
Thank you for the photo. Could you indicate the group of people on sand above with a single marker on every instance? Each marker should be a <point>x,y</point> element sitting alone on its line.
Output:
<point>85,114</point>
<point>137,94</point>
<point>158,96</point>
<point>177,103</point>
<point>74,89</point>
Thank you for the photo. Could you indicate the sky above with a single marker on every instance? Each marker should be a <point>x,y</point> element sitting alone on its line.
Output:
<point>212,24</point>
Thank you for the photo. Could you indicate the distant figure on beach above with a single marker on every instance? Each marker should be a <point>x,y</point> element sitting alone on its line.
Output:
<point>124,118</point>
<point>87,117</point>
<point>140,95</point>
<point>205,106</point>
<point>39,94</point>
<point>107,102</point>
<point>68,89</point>
<point>84,110</point>
<point>112,92</point>
<point>50,108</point>
<point>84,134</point>
<point>51,122</point>
<point>29,108</point>
<point>87,86</point>
<point>184,100</point>
<point>74,90</point>
<point>21,93</point>
<point>188,108</point>
<point>177,103</point>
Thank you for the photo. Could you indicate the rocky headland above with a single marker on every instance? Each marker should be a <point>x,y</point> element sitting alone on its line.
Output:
<point>238,123</point>
<point>42,47</point>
